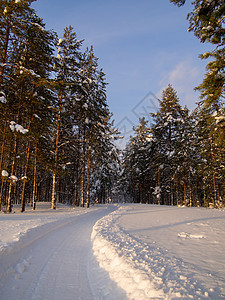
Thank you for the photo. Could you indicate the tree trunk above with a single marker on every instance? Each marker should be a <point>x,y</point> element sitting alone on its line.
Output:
<point>216,202</point>
<point>9,204</point>
<point>3,145</point>
<point>190,189</point>
<point>53,202</point>
<point>185,193</point>
<point>159,185</point>
<point>88,177</point>
<point>177,193</point>
<point>77,187</point>
<point>24,181</point>
<point>4,52</point>
<point>2,163</point>
<point>83,171</point>
<point>35,178</point>
<point>26,169</point>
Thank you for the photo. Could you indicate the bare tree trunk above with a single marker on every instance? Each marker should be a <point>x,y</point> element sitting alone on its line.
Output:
<point>24,181</point>
<point>35,178</point>
<point>215,190</point>
<point>83,170</point>
<point>4,52</point>
<point>159,185</point>
<point>2,163</point>
<point>26,169</point>
<point>53,202</point>
<point>185,193</point>
<point>77,187</point>
<point>177,193</point>
<point>3,145</point>
<point>88,177</point>
<point>190,189</point>
<point>1,191</point>
<point>9,204</point>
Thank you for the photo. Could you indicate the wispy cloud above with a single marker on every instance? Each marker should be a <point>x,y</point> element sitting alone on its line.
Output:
<point>184,77</point>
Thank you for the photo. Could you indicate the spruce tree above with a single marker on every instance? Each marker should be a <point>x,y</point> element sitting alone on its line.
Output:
<point>167,131</point>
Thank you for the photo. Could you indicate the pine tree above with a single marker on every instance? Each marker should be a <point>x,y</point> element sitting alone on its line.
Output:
<point>207,21</point>
<point>67,70</point>
<point>28,52</point>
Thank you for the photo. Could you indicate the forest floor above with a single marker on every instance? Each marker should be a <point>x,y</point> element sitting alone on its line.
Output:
<point>112,252</point>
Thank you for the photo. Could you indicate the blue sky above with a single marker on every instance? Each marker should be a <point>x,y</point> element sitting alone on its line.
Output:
<point>142,47</point>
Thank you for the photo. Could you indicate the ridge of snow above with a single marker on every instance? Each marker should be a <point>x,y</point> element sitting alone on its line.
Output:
<point>112,249</point>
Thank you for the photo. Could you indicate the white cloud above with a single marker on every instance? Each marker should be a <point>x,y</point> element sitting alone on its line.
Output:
<point>185,76</point>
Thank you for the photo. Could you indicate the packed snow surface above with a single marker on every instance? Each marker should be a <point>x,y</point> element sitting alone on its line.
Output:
<point>163,252</point>
<point>47,255</point>
<point>112,252</point>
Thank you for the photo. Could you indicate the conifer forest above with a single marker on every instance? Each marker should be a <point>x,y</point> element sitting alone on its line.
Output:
<point>57,135</point>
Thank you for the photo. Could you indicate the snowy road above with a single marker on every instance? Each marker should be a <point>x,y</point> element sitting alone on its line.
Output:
<point>55,262</point>
<point>112,252</point>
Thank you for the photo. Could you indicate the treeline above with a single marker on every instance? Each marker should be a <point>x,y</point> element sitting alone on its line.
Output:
<point>178,159</point>
<point>56,137</point>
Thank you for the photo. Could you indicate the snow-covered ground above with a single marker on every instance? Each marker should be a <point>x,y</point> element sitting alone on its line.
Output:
<point>112,252</point>
<point>163,252</point>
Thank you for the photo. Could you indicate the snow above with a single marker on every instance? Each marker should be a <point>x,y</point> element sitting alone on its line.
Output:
<point>161,252</point>
<point>36,116</point>
<point>219,119</point>
<point>3,99</point>
<point>47,254</point>
<point>60,41</point>
<point>13,178</point>
<point>5,173</point>
<point>113,252</point>
<point>16,225</point>
<point>39,26</point>
<point>19,128</point>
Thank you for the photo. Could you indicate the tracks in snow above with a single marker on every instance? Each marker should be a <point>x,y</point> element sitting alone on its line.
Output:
<point>55,262</point>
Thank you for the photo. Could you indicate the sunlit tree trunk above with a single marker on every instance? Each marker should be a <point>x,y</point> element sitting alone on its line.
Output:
<point>215,190</point>
<point>185,196</point>
<point>1,162</point>
<point>53,202</point>
<point>9,201</point>
<point>88,177</point>
<point>190,189</point>
<point>35,178</point>
<point>177,193</point>
<point>159,185</point>
<point>83,170</point>
<point>4,51</point>
<point>22,209</point>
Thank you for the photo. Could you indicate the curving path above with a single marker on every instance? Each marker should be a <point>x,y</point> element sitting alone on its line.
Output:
<point>55,262</point>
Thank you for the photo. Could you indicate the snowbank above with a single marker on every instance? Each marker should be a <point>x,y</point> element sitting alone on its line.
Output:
<point>141,267</point>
